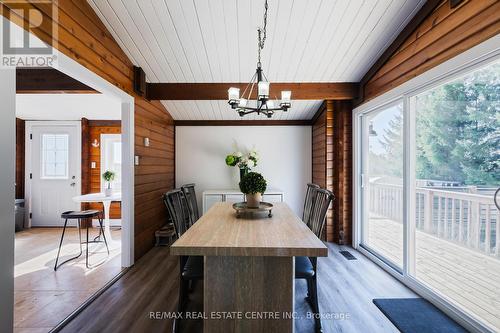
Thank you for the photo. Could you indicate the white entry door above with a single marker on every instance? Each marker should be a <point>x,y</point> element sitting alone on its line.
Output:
<point>53,170</point>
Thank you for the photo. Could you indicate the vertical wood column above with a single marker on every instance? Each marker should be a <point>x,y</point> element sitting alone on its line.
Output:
<point>85,165</point>
<point>341,156</point>
<point>332,165</point>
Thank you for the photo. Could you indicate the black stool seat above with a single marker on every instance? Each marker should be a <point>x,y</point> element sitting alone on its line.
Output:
<point>303,268</point>
<point>72,214</point>
<point>79,216</point>
<point>193,269</point>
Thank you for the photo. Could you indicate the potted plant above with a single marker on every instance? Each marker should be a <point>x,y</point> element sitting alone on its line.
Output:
<point>108,176</point>
<point>253,185</point>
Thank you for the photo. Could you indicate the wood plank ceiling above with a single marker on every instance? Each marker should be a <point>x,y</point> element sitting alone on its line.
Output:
<point>201,41</point>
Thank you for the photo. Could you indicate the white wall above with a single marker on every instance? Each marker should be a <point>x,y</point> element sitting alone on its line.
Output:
<point>67,107</point>
<point>7,178</point>
<point>285,157</point>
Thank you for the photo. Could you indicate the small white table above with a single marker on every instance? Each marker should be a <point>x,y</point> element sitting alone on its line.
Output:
<point>106,202</point>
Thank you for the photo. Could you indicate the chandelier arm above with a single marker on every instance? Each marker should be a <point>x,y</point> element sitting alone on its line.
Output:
<point>246,88</point>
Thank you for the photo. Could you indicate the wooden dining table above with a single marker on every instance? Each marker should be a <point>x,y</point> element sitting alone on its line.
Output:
<point>249,266</point>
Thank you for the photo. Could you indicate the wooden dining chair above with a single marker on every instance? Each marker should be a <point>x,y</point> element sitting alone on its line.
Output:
<point>191,267</point>
<point>306,267</point>
<point>192,204</point>
<point>308,202</point>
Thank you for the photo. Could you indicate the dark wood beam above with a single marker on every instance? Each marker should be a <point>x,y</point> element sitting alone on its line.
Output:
<point>218,91</point>
<point>242,123</point>
<point>415,22</point>
<point>48,80</point>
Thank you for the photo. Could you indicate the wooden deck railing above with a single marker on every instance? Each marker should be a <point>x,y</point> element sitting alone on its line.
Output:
<point>468,219</point>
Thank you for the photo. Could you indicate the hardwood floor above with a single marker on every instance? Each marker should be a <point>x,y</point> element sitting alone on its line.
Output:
<point>42,297</point>
<point>469,278</point>
<point>346,290</point>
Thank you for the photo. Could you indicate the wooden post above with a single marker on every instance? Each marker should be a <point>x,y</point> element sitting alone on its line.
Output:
<point>487,237</point>
<point>446,206</point>
<point>428,210</point>
<point>453,218</point>
<point>497,232</point>
<point>460,221</point>
<point>475,225</point>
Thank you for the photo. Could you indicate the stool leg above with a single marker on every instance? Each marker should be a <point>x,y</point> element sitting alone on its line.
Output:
<point>87,249</point>
<point>101,230</point>
<point>80,236</point>
<point>60,244</point>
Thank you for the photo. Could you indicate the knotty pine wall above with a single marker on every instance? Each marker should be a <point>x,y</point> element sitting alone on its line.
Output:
<point>83,37</point>
<point>96,128</point>
<point>332,165</point>
<point>445,33</point>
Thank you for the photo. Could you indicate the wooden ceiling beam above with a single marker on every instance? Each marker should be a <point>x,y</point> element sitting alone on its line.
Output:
<point>48,81</point>
<point>218,91</point>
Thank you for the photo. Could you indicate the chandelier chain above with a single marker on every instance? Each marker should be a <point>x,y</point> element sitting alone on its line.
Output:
<point>262,31</point>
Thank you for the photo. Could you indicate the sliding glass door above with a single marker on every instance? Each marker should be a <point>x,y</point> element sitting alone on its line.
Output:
<point>428,169</point>
<point>382,183</point>
<point>457,170</point>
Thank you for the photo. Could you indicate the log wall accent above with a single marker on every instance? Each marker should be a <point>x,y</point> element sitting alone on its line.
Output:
<point>319,148</point>
<point>332,165</point>
<point>83,37</point>
<point>445,33</point>
<point>340,168</point>
<point>96,128</point>
<point>20,144</point>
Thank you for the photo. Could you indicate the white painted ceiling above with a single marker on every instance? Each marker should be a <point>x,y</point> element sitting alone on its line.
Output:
<point>67,107</point>
<point>216,40</point>
<point>220,110</point>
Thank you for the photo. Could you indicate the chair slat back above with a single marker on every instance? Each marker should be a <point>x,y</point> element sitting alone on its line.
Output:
<point>322,200</point>
<point>192,204</point>
<point>177,208</point>
<point>308,202</point>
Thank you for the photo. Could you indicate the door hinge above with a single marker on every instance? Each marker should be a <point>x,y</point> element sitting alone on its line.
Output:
<point>362,180</point>
<point>31,176</point>
<point>31,215</point>
<point>31,136</point>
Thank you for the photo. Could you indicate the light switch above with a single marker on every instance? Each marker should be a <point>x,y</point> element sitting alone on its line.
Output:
<point>136,160</point>
<point>92,165</point>
<point>146,142</point>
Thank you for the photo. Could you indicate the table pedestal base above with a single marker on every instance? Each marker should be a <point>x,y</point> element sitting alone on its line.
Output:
<point>255,294</point>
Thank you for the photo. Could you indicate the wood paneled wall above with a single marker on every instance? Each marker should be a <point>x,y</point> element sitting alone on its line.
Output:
<point>83,37</point>
<point>20,143</point>
<point>332,165</point>
<point>445,33</point>
<point>95,129</point>
<point>319,149</point>
<point>341,170</point>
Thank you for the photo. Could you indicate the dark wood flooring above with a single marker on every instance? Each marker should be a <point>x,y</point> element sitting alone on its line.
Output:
<point>346,290</point>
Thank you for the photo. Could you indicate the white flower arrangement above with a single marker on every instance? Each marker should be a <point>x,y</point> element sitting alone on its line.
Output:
<point>242,161</point>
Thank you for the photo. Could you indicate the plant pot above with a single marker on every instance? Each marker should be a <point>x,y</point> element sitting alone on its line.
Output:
<point>108,192</point>
<point>253,200</point>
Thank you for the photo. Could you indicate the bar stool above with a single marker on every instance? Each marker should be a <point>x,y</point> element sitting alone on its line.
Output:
<point>79,216</point>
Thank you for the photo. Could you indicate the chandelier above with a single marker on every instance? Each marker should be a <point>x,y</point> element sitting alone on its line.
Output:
<point>263,104</point>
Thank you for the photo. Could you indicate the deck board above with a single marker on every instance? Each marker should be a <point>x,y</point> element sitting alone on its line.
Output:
<point>465,276</point>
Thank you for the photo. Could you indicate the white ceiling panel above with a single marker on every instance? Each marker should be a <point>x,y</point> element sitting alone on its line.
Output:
<point>216,41</point>
<point>220,110</point>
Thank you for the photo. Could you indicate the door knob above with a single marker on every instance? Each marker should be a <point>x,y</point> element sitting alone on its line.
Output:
<point>72,184</point>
